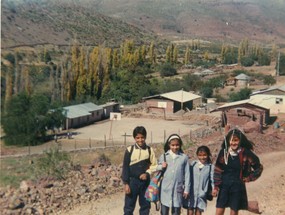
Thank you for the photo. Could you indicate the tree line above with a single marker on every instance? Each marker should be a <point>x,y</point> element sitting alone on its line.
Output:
<point>126,73</point>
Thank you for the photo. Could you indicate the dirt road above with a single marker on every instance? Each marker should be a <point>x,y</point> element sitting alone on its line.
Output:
<point>268,190</point>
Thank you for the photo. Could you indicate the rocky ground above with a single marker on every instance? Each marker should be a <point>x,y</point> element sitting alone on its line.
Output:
<point>268,190</point>
<point>97,188</point>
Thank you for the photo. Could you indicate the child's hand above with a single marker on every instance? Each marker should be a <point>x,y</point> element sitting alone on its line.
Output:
<point>215,192</point>
<point>143,176</point>
<point>127,189</point>
<point>185,195</point>
<point>164,165</point>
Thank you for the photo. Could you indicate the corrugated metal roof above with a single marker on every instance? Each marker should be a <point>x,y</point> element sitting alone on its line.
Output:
<point>282,88</point>
<point>80,110</point>
<point>241,102</point>
<point>180,96</point>
<point>242,77</point>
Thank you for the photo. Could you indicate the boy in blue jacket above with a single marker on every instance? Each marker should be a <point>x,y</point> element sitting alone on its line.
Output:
<point>139,162</point>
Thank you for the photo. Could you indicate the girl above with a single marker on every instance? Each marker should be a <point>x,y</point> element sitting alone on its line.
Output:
<point>175,183</point>
<point>202,173</point>
<point>235,165</point>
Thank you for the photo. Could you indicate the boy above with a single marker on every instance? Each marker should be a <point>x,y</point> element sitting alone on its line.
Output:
<point>139,162</point>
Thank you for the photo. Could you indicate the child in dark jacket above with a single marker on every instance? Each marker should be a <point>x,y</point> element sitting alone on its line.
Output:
<point>139,162</point>
<point>236,164</point>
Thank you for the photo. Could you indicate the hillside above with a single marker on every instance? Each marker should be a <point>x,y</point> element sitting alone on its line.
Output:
<point>224,20</point>
<point>29,23</point>
<point>93,22</point>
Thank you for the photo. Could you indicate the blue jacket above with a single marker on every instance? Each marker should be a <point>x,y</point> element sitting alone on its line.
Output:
<point>176,179</point>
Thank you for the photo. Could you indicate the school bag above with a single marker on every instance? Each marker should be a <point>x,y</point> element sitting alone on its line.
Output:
<point>152,193</point>
<point>209,195</point>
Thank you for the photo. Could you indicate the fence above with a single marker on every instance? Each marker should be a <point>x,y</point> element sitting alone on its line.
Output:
<point>74,144</point>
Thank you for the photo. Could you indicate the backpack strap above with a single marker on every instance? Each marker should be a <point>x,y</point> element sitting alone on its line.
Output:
<point>210,181</point>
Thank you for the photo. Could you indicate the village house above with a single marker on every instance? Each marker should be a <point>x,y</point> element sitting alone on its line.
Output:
<point>172,102</point>
<point>272,98</point>
<point>241,80</point>
<point>87,113</point>
<point>244,114</point>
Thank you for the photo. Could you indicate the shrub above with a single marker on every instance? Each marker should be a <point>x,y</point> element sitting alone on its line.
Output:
<point>53,164</point>
<point>269,80</point>
<point>167,70</point>
<point>246,61</point>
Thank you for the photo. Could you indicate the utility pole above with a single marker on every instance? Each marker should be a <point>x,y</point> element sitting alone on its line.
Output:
<point>182,99</point>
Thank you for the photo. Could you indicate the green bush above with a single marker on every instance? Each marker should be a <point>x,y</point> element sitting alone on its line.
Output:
<point>246,61</point>
<point>269,80</point>
<point>53,164</point>
<point>264,60</point>
<point>167,70</point>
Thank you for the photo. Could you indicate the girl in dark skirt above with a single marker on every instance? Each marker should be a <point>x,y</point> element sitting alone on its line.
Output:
<point>236,164</point>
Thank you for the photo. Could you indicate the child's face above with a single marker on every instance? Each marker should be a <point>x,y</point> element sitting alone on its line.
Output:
<point>234,143</point>
<point>203,157</point>
<point>140,139</point>
<point>174,145</point>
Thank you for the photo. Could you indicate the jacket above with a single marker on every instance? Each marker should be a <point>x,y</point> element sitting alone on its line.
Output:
<point>176,179</point>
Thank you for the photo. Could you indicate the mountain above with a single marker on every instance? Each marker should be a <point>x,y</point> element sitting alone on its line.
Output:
<point>226,20</point>
<point>28,23</point>
<point>93,22</point>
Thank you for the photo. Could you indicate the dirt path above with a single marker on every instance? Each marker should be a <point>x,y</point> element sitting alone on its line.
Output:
<point>269,191</point>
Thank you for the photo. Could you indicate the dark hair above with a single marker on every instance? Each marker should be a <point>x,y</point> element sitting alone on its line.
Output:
<point>244,142</point>
<point>139,130</point>
<point>206,150</point>
<point>172,137</point>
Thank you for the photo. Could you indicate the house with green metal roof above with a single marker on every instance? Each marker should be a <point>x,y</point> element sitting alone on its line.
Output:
<point>82,114</point>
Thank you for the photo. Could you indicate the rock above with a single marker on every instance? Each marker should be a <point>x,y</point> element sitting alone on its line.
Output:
<point>24,187</point>
<point>114,182</point>
<point>16,203</point>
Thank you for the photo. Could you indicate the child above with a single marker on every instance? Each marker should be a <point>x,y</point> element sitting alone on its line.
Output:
<point>202,174</point>
<point>175,183</point>
<point>139,162</point>
<point>235,165</point>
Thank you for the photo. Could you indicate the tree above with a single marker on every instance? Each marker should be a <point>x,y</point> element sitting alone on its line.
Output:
<point>281,65</point>
<point>269,80</point>
<point>151,54</point>
<point>207,92</point>
<point>263,59</point>
<point>187,56</point>
<point>26,119</point>
<point>192,82</point>
<point>167,70</point>
<point>241,95</point>
<point>246,61</point>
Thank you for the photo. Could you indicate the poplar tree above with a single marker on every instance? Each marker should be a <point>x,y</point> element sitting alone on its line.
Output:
<point>74,71</point>
<point>151,54</point>
<point>168,55</point>
<point>9,84</point>
<point>115,59</point>
<point>175,54</point>
<point>273,52</point>
<point>107,65</point>
<point>28,87</point>
<point>186,56</point>
<point>81,80</point>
